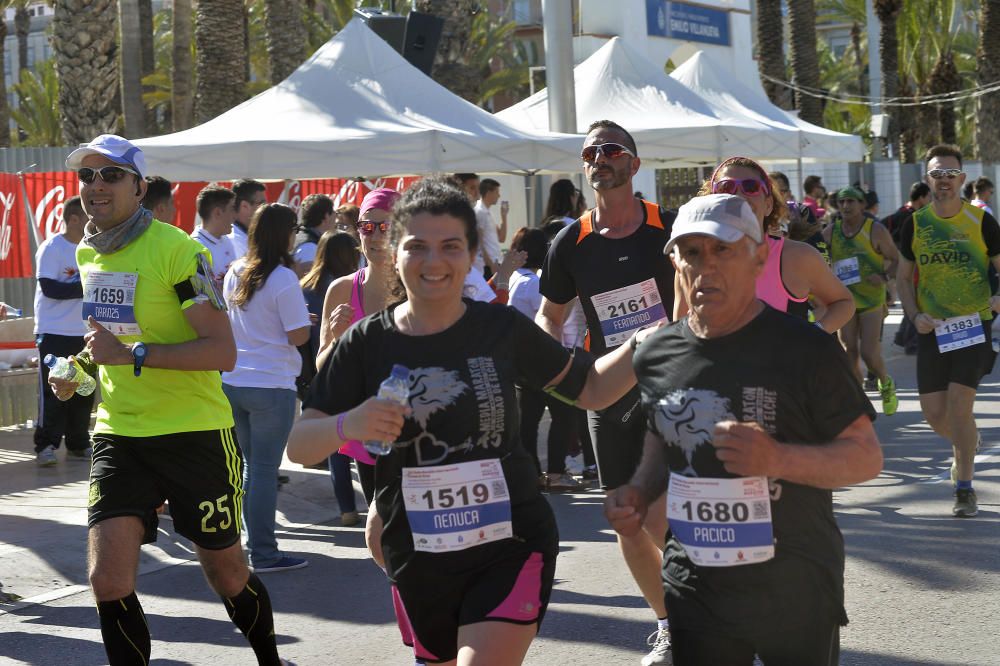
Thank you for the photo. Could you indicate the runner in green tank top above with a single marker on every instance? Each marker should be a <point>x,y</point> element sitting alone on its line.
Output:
<point>953,244</point>
<point>860,249</point>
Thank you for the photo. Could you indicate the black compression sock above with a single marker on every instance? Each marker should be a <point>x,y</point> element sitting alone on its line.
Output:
<point>250,610</point>
<point>124,630</point>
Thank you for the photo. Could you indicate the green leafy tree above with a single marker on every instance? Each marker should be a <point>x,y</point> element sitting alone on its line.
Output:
<point>988,73</point>
<point>37,115</point>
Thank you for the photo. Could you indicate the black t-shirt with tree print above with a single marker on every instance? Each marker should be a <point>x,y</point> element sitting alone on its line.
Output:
<point>796,382</point>
<point>464,409</point>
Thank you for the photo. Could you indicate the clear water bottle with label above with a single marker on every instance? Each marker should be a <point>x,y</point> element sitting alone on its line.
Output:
<point>72,371</point>
<point>395,388</point>
<point>11,311</point>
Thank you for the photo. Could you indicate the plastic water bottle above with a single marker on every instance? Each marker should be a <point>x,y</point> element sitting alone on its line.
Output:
<point>395,388</point>
<point>63,368</point>
<point>11,311</point>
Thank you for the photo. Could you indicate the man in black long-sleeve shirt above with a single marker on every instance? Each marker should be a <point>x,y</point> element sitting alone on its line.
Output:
<point>59,331</point>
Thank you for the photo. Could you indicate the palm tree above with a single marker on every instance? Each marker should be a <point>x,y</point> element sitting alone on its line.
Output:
<point>148,59</point>
<point>286,37</point>
<point>805,61</point>
<point>987,73</point>
<point>449,68</point>
<point>22,27</point>
<point>131,69</point>
<point>219,39</point>
<point>85,44</point>
<point>37,116</point>
<point>4,108</point>
<point>887,12</point>
<point>771,51</point>
<point>181,101</point>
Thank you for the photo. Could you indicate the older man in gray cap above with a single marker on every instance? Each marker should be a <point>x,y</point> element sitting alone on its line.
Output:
<point>160,335</point>
<point>748,437</point>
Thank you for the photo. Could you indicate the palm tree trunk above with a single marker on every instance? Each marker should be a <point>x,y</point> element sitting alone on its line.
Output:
<point>771,51</point>
<point>131,69</point>
<point>887,12</point>
<point>907,127</point>
<point>987,73</point>
<point>148,64</point>
<point>945,79</point>
<point>4,108</point>
<point>219,40</point>
<point>449,69</point>
<point>805,60</point>
<point>22,27</point>
<point>85,44</point>
<point>286,37</point>
<point>181,103</point>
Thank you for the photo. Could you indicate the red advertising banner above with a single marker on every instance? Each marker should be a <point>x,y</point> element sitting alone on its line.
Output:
<point>47,194</point>
<point>15,248</point>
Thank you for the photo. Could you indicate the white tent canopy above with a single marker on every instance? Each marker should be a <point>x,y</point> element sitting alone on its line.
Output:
<point>356,107</point>
<point>731,100</point>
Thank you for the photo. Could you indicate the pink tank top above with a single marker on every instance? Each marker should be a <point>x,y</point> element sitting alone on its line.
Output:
<point>770,287</point>
<point>354,448</point>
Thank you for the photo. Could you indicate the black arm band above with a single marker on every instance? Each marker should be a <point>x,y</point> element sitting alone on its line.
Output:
<point>185,291</point>
<point>570,388</point>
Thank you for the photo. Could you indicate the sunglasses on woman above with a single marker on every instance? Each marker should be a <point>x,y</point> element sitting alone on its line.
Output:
<point>609,150</point>
<point>938,174</point>
<point>748,186</point>
<point>109,174</point>
<point>368,228</point>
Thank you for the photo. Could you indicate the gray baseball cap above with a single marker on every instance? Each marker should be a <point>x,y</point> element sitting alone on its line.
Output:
<point>723,216</point>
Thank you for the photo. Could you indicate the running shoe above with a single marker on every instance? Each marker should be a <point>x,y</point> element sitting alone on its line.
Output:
<point>47,457</point>
<point>659,640</point>
<point>590,473</point>
<point>889,400</point>
<point>349,518</point>
<point>966,504</point>
<point>562,483</point>
<point>80,454</point>
<point>286,563</point>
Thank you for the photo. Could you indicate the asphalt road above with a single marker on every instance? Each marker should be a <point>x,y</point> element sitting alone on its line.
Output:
<point>922,587</point>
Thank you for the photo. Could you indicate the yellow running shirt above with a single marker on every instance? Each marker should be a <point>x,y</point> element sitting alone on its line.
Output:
<point>132,293</point>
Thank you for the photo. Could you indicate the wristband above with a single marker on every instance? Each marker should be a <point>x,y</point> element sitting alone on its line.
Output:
<point>340,426</point>
<point>634,341</point>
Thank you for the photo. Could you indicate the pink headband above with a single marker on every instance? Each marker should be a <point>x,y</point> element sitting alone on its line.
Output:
<point>383,198</point>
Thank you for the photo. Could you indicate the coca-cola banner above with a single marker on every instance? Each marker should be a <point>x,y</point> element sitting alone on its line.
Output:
<point>48,192</point>
<point>15,248</point>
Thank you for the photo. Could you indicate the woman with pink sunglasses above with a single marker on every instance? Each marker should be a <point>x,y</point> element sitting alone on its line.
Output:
<point>795,278</point>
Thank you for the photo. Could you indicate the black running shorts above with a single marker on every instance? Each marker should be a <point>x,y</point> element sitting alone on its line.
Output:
<point>966,366</point>
<point>199,473</point>
<point>618,433</point>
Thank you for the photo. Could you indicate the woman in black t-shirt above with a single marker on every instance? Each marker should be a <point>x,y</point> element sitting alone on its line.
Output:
<point>468,541</point>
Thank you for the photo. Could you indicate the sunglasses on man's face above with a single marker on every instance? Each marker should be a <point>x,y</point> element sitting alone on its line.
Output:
<point>368,228</point>
<point>109,174</point>
<point>609,150</point>
<point>938,174</point>
<point>748,186</point>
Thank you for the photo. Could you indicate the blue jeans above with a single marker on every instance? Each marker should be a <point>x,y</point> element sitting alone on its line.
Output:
<point>263,419</point>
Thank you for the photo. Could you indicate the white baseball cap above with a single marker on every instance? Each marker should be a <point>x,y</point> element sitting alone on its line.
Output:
<point>723,216</point>
<point>115,148</point>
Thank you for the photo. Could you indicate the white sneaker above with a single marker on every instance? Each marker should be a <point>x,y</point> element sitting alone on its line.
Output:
<point>47,457</point>
<point>574,464</point>
<point>661,655</point>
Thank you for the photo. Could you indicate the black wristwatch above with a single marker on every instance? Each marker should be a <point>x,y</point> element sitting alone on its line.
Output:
<point>138,357</point>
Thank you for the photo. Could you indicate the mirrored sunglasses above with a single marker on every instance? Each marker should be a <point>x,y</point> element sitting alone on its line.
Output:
<point>748,186</point>
<point>368,228</point>
<point>609,150</point>
<point>938,174</point>
<point>109,174</point>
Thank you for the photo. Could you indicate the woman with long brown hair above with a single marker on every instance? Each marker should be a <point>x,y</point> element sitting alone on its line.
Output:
<point>269,320</point>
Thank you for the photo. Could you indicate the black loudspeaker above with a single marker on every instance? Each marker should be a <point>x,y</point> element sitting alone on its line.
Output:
<point>390,27</point>
<point>420,41</point>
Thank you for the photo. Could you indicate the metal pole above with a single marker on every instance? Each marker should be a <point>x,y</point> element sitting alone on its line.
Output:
<point>557,20</point>
<point>874,71</point>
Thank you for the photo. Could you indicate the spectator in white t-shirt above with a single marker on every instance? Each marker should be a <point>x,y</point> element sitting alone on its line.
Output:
<point>316,217</point>
<point>250,195</point>
<point>159,199</point>
<point>269,318</point>
<point>59,331</point>
<point>490,234</point>
<point>217,210</point>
